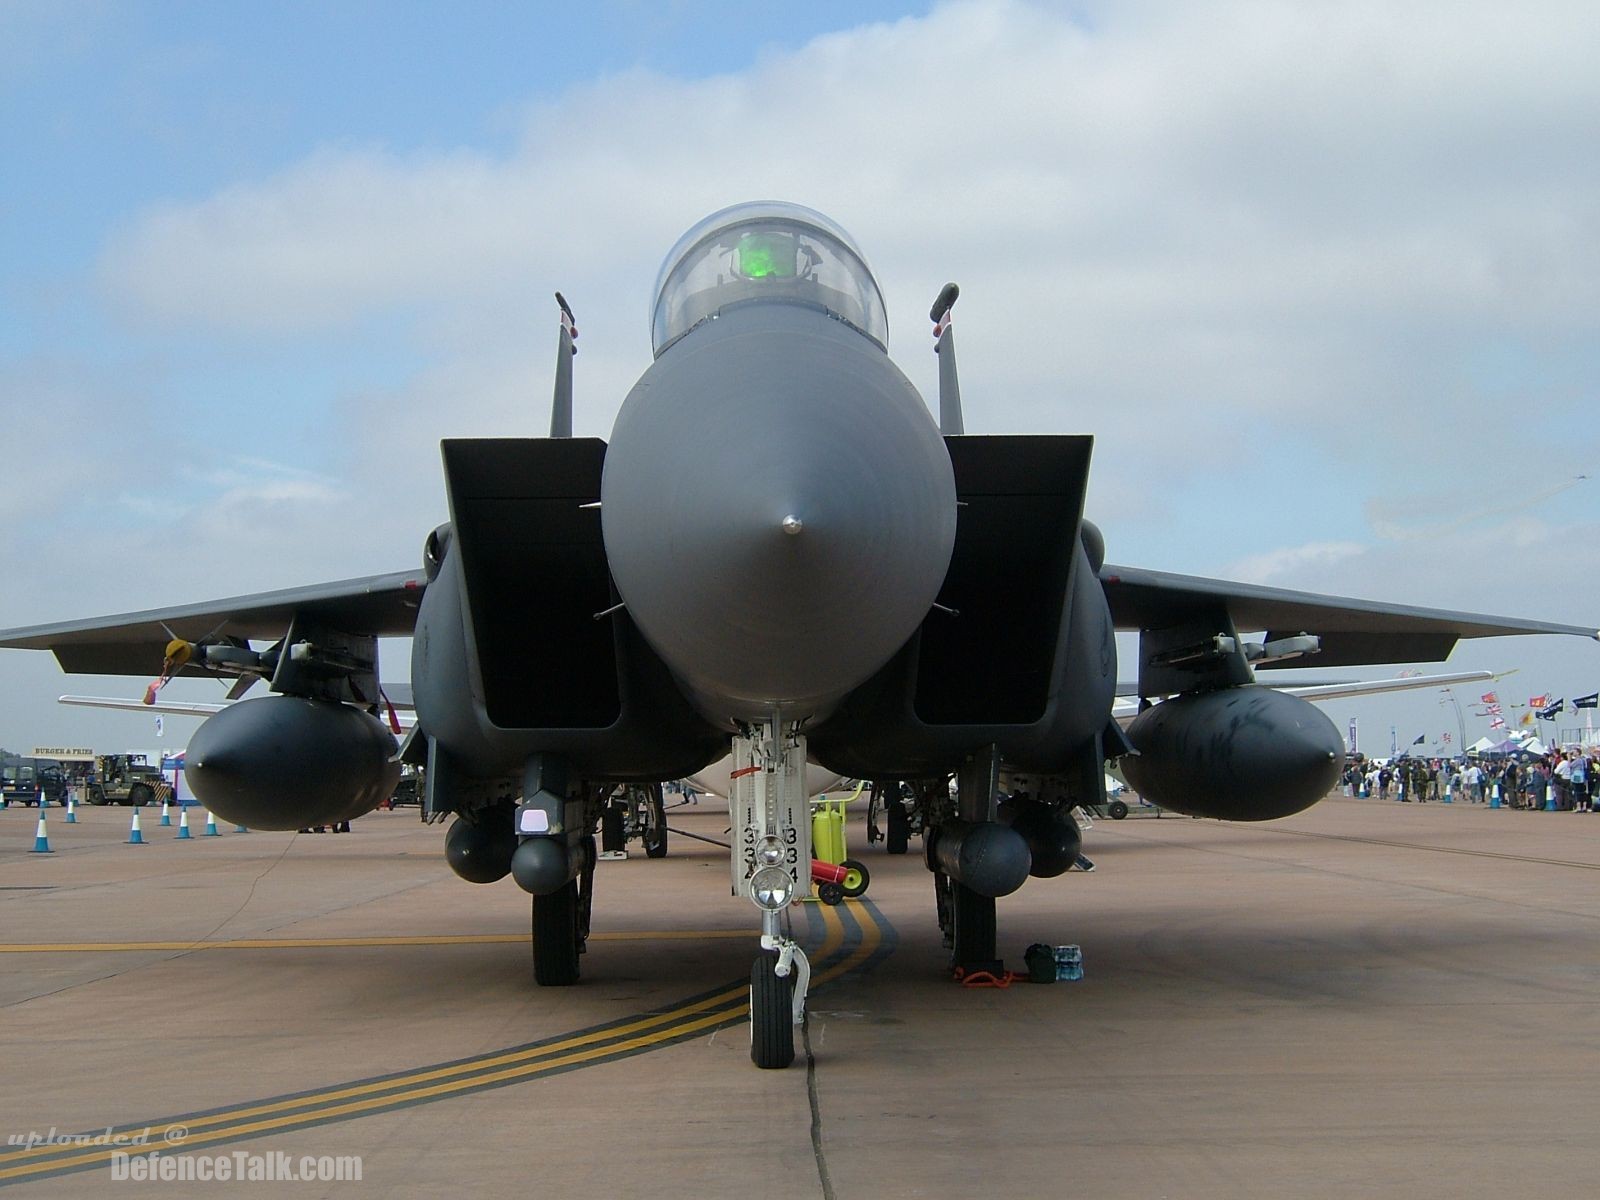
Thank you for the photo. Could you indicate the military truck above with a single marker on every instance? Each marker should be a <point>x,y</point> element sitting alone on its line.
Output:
<point>125,779</point>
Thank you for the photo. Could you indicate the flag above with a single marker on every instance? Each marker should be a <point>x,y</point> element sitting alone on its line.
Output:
<point>1491,698</point>
<point>1418,742</point>
<point>1527,720</point>
<point>1497,723</point>
<point>1551,711</point>
<point>1592,700</point>
<point>1446,739</point>
<point>1539,701</point>
<point>1493,710</point>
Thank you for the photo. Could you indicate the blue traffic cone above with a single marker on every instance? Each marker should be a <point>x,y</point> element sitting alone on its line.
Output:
<point>72,811</point>
<point>166,813</point>
<point>41,839</point>
<point>1447,793</point>
<point>1494,798</point>
<point>183,825</point>
<point>135,838</point>
<point>211,825</point>
<point>43,800</point>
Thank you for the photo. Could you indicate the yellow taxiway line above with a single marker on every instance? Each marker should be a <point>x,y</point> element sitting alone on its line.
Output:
<point>588,1048</point>
<point>426,939</point>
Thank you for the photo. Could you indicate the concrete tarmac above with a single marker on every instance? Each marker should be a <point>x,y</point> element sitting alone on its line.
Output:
<point>1367,999</point>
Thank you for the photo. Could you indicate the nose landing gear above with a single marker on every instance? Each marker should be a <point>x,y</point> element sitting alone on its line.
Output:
<point>771,864</point>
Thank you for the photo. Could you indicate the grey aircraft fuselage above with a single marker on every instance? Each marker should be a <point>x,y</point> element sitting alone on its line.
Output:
<point>778,513</point>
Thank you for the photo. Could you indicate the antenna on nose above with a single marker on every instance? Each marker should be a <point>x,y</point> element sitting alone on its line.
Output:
<point>945,347</point>
<point>561,406</point>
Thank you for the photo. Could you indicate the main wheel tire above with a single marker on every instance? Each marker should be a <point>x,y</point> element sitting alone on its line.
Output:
<point>856,878</point>
<point>96,795</point>
<point>555,937</point>
<point>830,893</point>
<point>655,831</point>
<point>1117,809</point>
<point>771,1015</point>
<point>140,794</point>
<point>899,839</point>
<point>974,926</point>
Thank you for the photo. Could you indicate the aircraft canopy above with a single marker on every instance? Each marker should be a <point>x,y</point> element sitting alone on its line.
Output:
<point>766,250</point>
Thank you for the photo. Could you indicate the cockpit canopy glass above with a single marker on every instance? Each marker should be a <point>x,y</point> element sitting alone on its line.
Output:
<point>766,250</point>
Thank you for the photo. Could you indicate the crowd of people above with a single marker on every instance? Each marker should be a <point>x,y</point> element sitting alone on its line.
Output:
<point>1559,781</point>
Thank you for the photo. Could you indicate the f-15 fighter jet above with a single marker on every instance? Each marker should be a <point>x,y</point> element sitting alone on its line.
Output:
<point>853,584</point>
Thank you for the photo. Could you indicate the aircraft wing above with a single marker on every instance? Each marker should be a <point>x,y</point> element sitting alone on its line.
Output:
<point>189,708</point>
<point>1353,632</point>
<point>180,708</point>
<point>1125,709</point>
<point>134,643</point>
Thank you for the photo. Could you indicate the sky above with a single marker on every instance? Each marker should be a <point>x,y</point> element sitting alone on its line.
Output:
<point>1322,279</point>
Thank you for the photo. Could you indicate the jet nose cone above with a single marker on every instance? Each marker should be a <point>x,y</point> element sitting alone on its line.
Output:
<point>778,533</point>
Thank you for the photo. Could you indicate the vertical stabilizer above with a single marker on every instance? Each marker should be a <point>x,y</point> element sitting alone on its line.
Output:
<point>561,406</point>
<point>949,385</point>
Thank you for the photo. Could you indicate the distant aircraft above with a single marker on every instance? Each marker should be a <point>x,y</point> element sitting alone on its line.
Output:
<point>853,584</point>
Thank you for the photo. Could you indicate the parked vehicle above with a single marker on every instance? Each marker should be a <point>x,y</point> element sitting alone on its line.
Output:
<point>125,779</point>
<point>22,779</point>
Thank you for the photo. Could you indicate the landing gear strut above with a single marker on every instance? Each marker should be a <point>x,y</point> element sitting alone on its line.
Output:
<point>771,865</point>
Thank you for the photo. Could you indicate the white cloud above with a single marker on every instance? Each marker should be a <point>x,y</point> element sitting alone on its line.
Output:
<point>1277,566</point>
<point>1200,232</point>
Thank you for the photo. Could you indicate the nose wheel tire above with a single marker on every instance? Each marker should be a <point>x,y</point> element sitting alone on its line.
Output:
<point>555,937</point>
<point>1117,809</point>
<point>771,1015</point>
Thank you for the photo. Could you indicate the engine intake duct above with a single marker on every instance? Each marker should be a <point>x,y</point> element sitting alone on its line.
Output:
<point>1239,754</point>
<point>525,521</point>
<point>991,660</point>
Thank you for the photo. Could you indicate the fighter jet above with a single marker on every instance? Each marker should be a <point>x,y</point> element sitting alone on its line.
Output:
<point>855,585</point>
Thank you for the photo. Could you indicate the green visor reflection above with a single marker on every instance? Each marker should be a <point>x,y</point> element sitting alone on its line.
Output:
<point>767,255</point>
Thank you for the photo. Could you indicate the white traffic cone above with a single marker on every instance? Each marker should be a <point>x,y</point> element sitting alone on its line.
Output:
<point>72,811</point>
<point>166,813</point>
<point>211,825</point>
<point>183,825</point>
<point>41,839</point>
<point>135,838</point>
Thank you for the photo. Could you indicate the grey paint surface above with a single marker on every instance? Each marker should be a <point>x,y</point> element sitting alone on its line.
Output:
<point>776,411</point>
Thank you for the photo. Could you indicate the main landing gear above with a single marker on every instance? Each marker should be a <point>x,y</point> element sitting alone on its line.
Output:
<point>771,865</point>
<point>561,925</point>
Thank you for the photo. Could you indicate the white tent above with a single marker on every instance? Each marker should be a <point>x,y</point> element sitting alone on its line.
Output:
<point>1479,746</point>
